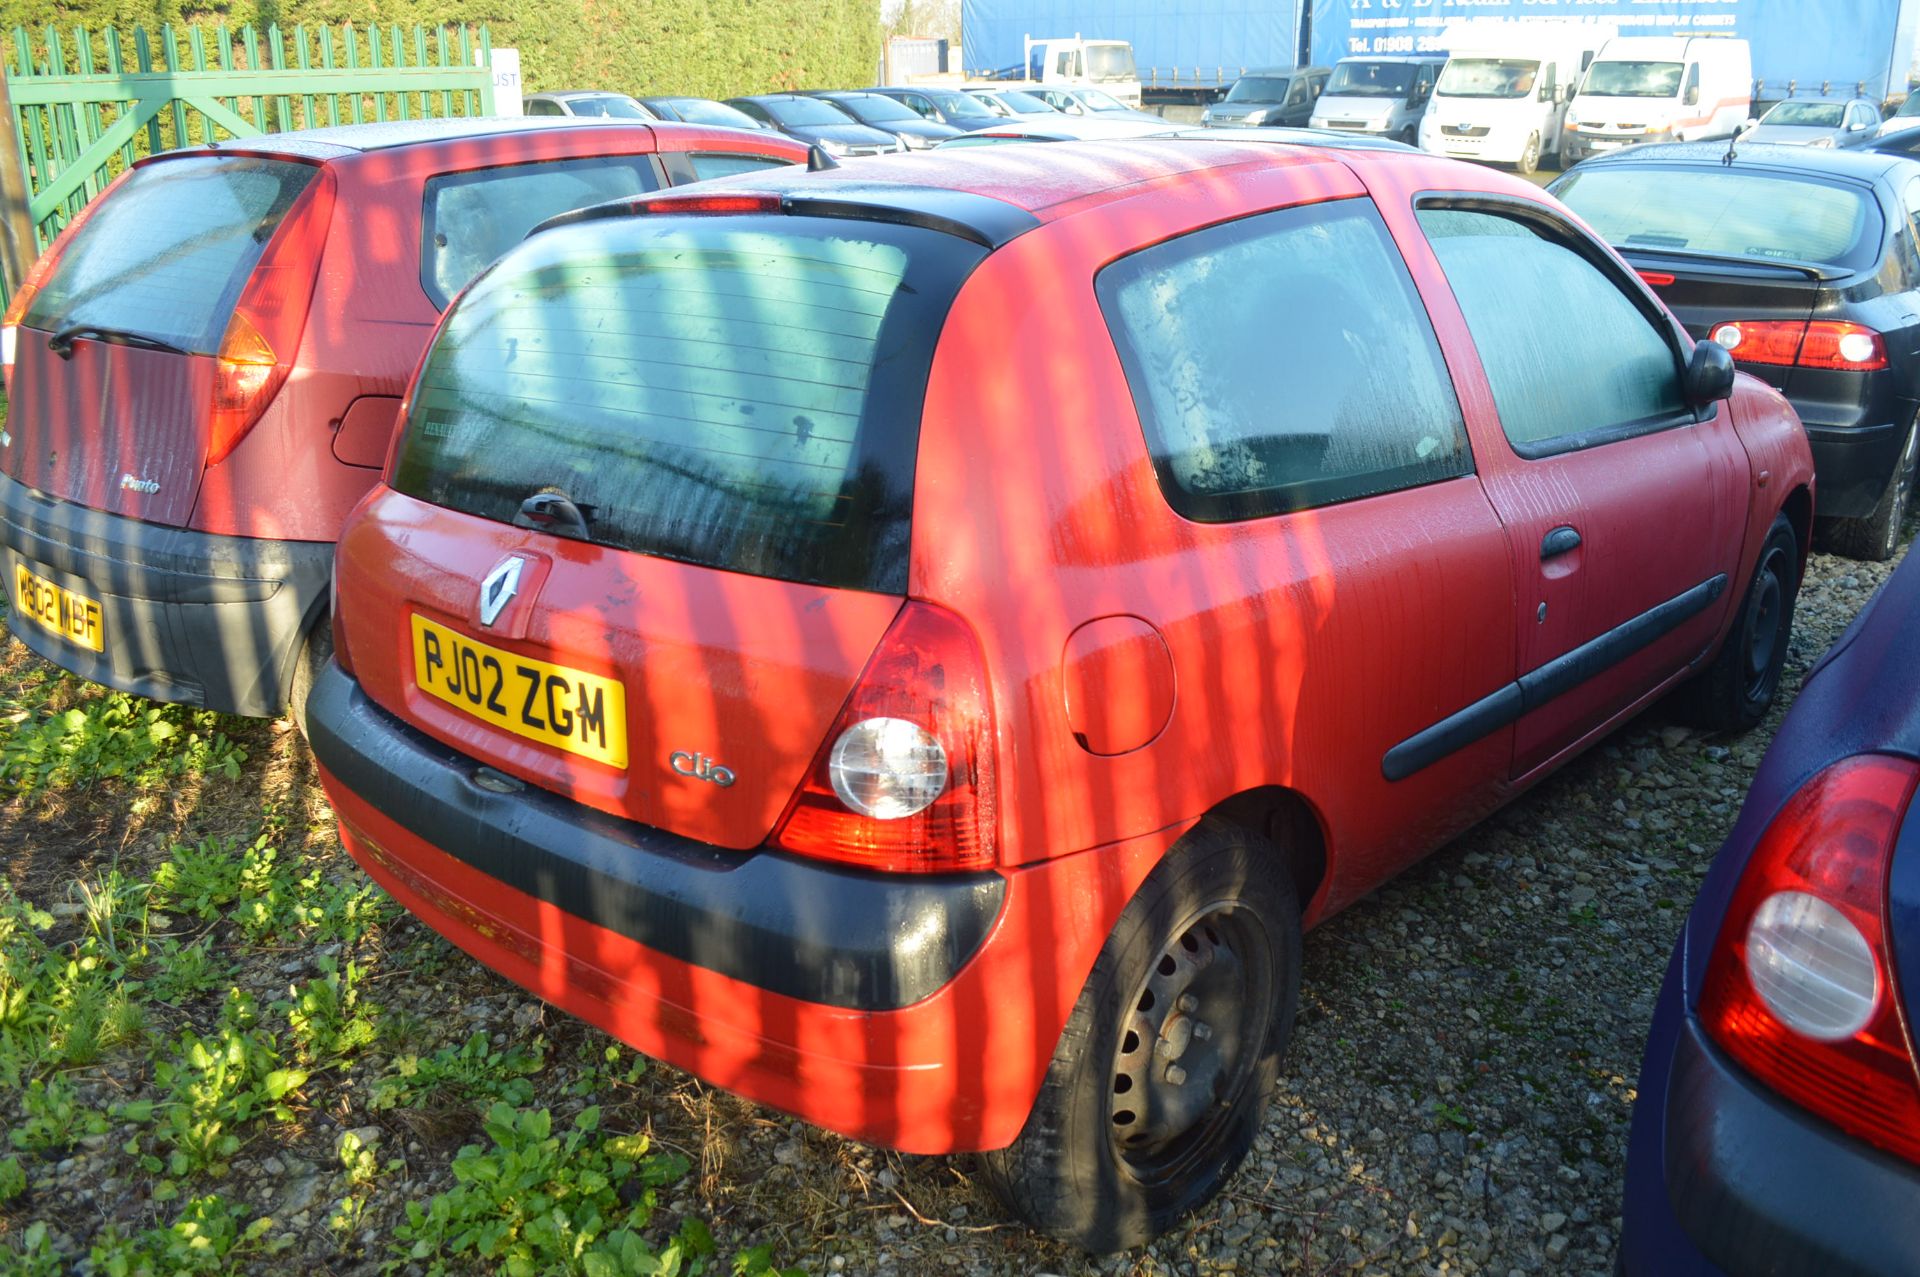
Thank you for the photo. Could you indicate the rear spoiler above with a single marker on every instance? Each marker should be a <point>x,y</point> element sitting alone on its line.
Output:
<point>1724,264</point>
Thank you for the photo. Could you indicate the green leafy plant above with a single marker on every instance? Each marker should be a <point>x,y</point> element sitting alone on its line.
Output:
<point>53,1116</point>
<point>215,1084</point>
<point>13,1179</point>
<point>326,1016</point>
<point>113,734</point>
<point>201,879</point>
<point>537,1203</point>
<point>475,1070</point>
<point>206,1238</point>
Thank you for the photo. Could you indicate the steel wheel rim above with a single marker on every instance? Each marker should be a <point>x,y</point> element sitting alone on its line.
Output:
<point>1765,622</point>
<point>1189,1043</point>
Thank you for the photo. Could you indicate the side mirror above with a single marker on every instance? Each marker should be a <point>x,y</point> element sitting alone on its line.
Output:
<point>1750,124</point>
<point>1709,376</point>
<point>1856,126</point>
<point>1693,95</point>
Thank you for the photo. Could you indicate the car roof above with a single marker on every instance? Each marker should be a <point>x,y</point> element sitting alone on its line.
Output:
<point>581,93</point>
<point>1863,165</point>
<point>1821,99</point>
<point>1395,57</point>
<point>348,139</point>
<point>1265,72</point>
<point>771,97</point>
<point>994,193</point>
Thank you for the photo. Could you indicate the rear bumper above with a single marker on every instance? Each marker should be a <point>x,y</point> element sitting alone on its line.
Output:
<point>206,620</point>
<point>1722,1175</point>
<point>913,1012</point>
<point>1853,465</point>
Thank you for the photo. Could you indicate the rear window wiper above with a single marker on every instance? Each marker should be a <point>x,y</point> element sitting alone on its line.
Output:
<point>551,510</point>
<point>61,343</point>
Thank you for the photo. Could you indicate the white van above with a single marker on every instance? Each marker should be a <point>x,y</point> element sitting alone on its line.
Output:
<point>1385,96</point>
<point>1660,89</point>
<point>1077,62</point>
<point>1505,89</point>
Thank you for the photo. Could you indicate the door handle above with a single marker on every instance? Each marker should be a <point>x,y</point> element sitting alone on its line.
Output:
<point>1561,540</point>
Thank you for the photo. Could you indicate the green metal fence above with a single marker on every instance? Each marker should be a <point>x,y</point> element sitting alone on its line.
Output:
<point>86,104</point>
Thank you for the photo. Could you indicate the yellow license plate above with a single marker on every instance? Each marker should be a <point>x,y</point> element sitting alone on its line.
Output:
<point>58,611</point>
<point>568,709</point>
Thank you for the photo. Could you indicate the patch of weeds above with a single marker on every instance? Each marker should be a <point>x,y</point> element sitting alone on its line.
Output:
<point>53,1117</point>
<point>473,1071</point>
<point>361,1168</point>
<point>1452,1115</point>
<point>13,1179</point>
<point>206,1238</point>
<point>214,1085</point>
<point>186,971</point>
<point>113,734</point>
<point>278,900</point>
<point>35,1255</point>
<point>326,1017</point>
<point>535,1202</point>
<point>200,880</point>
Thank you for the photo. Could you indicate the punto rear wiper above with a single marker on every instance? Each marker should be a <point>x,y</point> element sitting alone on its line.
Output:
<point>61,343</point>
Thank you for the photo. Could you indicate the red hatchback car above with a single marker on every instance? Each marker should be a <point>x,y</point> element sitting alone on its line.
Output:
<point>916,649</point>
<point>203,374</point>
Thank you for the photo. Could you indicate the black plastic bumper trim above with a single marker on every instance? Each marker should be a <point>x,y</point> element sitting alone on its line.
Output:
<point>1538,686</point>
<point>1762,1187</point>
<point>802,929</point>
<point>194,617</point>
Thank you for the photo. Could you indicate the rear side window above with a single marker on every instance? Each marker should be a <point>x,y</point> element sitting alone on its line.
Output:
<point>727,163</point>
<point>740,392</point>
<point>1517,287</point>
<point>167,255</point>
<point>470,219</point>
<point>1282,362</point>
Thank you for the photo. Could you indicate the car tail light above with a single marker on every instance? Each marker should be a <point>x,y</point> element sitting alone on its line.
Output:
<point>1656,278</point>
<point>257,350</point>
<point>1800,987</point>
<point>905,780</point>
<point>1822,343</point>
<point>37,276</point>
<point>712,204</point>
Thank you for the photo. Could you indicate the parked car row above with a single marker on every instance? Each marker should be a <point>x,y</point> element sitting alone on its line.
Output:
<point>760,630</point>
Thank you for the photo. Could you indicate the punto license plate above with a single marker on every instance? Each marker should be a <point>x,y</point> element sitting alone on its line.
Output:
<point>569,709</point>
<point>57,610</point>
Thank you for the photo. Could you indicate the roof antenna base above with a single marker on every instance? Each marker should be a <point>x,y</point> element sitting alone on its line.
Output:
<point>818,161</point>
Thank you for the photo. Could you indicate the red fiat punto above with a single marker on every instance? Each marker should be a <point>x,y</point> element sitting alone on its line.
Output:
<point>203,374</point>
<point>916,649</point>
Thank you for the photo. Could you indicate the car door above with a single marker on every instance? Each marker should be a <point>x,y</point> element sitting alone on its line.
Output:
<point>1624,508</point>
<point>1298,108</point>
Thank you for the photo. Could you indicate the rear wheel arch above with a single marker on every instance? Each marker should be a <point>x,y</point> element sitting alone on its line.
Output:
<point>1289,821</point>
<point>1798,507</point>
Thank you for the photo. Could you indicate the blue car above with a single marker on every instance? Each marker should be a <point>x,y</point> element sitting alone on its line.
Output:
<point>1778,1125</point>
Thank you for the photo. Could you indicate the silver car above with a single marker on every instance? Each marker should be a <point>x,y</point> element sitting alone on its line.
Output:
<point>594,103</point>
<point>1830,122</point>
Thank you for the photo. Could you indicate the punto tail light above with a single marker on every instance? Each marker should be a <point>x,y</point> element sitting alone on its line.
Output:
<point>1821,343</point>
<point>905,780</point>
<point>258,347</point>
<point>1801,987</point>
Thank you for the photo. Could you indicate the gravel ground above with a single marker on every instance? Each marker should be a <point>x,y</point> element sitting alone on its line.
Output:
<point>1455,1100</point>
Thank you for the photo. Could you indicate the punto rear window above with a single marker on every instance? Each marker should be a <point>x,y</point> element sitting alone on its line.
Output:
<point>167,255</point>
<point>741,392</point>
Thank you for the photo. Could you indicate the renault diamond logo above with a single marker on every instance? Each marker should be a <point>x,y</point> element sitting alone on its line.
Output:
<point>498,588</point>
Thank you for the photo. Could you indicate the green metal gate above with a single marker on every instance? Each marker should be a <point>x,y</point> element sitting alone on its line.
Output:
<point>86,104</point>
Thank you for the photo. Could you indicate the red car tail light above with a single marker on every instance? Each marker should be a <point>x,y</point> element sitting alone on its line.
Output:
<point>713,204</point>
<point>1800,986</point>
<point>257,351</point>
<point>1822,343</point>
<point>37,276</point>
<point>905,780</point>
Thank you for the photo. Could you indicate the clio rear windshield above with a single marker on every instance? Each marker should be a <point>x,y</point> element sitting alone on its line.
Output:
<point>738,391</point>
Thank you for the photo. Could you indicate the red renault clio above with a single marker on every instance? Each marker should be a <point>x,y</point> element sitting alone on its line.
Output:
<point>917,649</point>
<point>203,373</point>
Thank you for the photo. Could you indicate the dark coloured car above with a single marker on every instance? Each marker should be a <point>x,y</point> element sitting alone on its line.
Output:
<point>1278,96</point>
<point>783,643</point>
<point>701,111</point>
<point>818,123</point>
<point>890,115</point>
<point>1803,263</point>
<point>946,106</point>
<point>1777,1129</point>
<point>205,369</point>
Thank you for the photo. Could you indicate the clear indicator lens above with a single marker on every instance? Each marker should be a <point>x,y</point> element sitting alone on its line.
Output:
<point>1812,967</point>
<point>1856,348</point>
<point>1728,335</point>
<point>887,768</point>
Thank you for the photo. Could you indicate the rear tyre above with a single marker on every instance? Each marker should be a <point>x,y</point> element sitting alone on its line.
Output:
<point>1735,692</point>
<point>1529,161</point>
<point>1409,135</point>
<point>315,651</point>
<point>1874,538</point>
<point>1162,1074</point>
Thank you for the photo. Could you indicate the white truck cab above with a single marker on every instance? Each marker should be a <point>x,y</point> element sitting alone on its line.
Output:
<point>1384,96</point>
<point>1074,60</point>
<point>1505,89</point>
<point>1659,89</point>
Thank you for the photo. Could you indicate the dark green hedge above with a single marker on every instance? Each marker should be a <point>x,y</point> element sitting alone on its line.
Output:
<point>712,48</point>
